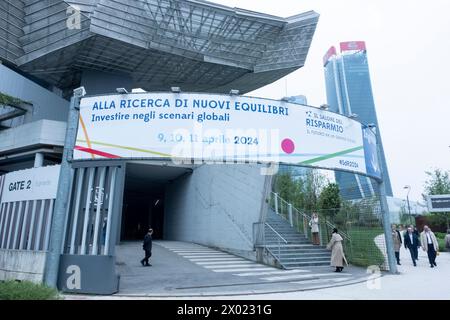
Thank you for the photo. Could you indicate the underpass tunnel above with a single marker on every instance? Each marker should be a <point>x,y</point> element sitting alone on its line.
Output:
<point>144,199</point>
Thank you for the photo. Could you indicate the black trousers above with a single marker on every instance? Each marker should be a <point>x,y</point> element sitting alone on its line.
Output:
<point>431,254</point>
<point>414,253</point>
<point>397,256</point>
<point>148,254</point>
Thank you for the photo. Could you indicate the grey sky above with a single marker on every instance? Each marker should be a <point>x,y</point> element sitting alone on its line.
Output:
<point>408,45</point>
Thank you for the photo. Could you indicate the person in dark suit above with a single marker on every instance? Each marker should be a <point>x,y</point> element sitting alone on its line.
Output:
<point>147,246</point>
<point>411,242</point>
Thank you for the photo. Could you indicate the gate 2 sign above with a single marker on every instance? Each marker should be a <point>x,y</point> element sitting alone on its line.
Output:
<point>31,184</point>
<point>221,128</point>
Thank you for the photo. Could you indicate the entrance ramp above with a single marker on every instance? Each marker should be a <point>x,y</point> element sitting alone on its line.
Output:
<point>186,269</point>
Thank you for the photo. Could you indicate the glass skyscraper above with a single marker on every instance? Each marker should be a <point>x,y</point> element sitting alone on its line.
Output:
<point>349,91</point>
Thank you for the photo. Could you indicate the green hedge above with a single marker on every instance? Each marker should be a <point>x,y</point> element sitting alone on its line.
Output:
<point>441,244</point>
<point>25,290</point>
<point>10,101</point>
<point>441,240</point>
<point>362,251</point>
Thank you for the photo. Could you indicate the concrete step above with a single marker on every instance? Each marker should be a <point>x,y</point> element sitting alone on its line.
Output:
<point>293,265</point>
<point>286,234</point>
<point>293,247</point>
<point>281,242</point>
<point>268,232</point>
<point>301,254</point>
<point>289,238</point>
<point>304,259</point>
<point>310,253</point>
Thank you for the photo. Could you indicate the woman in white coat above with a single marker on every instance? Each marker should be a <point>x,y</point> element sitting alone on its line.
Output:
<point>314,224</point>
<point>337,251</point>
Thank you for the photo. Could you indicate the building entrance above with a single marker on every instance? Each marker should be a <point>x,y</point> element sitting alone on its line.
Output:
<point>144,199</point>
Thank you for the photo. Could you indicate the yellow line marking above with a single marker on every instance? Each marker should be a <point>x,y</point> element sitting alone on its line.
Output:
<point>86,135</point>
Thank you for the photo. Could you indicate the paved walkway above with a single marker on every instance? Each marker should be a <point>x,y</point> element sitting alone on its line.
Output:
<point>412,283</point>
<point>181,269</point>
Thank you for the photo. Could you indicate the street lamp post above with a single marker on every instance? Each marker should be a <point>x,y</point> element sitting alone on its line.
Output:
<point>407,201</point>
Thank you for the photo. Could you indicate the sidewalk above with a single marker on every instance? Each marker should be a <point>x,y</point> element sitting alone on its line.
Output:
<point>412,283</point>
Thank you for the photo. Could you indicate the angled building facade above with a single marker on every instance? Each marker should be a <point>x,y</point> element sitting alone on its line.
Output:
<point>152,44</point>
<point>48,48</point>
<point>349,91</point>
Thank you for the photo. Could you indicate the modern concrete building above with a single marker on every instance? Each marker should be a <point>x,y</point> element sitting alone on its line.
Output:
<point>49,48</point>
<point>349,92</point>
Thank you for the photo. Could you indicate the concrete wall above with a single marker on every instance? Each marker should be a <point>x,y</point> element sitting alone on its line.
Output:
<point>46,104</point>
<point>216,206</point>
<point>22,265</point>
<point>43,132</point>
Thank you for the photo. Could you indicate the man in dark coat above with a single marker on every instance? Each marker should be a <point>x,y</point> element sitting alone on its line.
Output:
<point>411,242</point>
<point>147,246</point>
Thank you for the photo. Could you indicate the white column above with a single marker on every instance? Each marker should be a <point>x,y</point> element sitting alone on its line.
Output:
<point>76,210</point>
<point>110,210</point>
<point>4,215</point>
<point>16,230</point>
<point>48,225</point>
<point>11,222</point>
<point>86,211</point>
<point>33,218</point>
<point>39,227</point>
<point>98,210</point>
<point>24,226</point>
<point>38,160</point>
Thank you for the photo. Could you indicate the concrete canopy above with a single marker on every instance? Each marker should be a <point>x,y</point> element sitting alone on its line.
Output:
<point>196,45</point>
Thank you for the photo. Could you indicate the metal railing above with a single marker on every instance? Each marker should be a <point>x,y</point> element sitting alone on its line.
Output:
<point>300,220</point>
<point>259,234</point>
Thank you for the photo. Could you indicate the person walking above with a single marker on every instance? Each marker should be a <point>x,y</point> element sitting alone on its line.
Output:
<point>411,242</point>
<point>337,251</point>
<point>397,239</point>
<point>147,246</point>
<point>447,240</point>
<point>314,224</point>
<point>430,245</point>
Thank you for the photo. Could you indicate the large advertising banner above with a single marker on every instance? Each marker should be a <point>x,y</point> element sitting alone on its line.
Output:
<point>217,128</point>
<point>31,184</point>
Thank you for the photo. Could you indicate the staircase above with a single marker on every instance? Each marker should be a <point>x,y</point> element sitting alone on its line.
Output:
<point>291,248</point>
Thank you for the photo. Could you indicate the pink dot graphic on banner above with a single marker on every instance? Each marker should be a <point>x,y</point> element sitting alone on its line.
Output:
<point>288,146</point>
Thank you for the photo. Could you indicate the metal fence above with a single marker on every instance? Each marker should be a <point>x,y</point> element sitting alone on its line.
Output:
<point>25,225</point>
<point>365,244</point>
<point>358,222</point>
<point>90,226</point>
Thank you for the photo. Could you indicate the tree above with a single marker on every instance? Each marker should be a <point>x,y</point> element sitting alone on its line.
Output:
<point>284,186</point>
<point>301,191</point>
<point>312,188</point>
<point>330,200</point>
<point>438,182</point>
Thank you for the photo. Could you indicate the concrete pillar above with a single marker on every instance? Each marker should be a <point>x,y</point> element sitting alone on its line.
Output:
<point>38,160</point>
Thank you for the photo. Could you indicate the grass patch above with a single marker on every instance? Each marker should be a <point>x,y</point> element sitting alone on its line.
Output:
<point>25,290</point>
<point>362,251</point>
